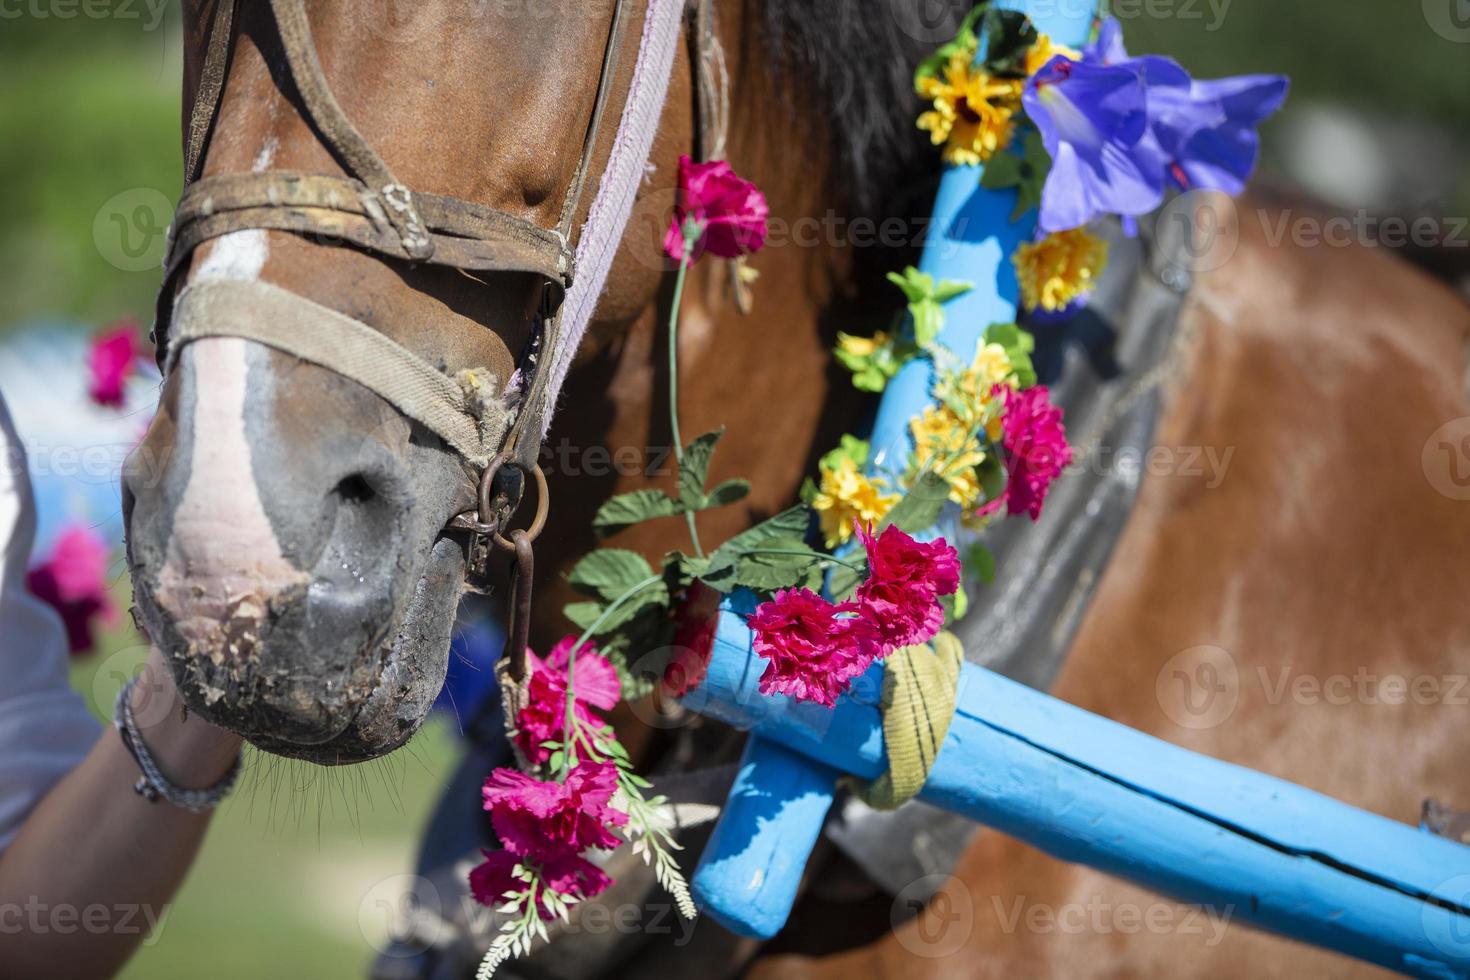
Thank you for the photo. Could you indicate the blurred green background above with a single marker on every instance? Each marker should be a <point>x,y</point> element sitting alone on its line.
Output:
<point>89,146</point>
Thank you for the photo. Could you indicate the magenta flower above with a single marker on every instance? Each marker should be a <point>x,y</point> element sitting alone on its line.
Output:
<point>545,820</point>
<point>732,210</point>
<point>73,581</point>
<point>545,715</point>
<point>1036,449</point>
<point>814,648</point>
<point>900,599</point>
<point>111,360</point>
<point>569,874</point>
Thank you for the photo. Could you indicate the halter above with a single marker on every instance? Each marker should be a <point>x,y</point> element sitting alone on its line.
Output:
<point>374,211</point>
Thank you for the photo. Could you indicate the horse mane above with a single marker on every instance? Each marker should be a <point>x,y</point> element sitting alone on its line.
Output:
<point>851,62</point>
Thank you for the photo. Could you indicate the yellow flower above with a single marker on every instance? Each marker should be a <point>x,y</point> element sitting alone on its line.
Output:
<point>861,346</point>
<point>1061,267</point>
<point>1043,51</point>
<point>972,388</point>
<point>846,494</point>
<point>973,111</point>
<point>945,444</point>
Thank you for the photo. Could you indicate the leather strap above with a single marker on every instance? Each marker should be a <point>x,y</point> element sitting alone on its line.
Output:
<point>352,150</point>
<point>372,210</point>
<point>464,411</point>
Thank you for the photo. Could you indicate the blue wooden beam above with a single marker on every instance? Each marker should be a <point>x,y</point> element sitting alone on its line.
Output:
<point>1089,790</point>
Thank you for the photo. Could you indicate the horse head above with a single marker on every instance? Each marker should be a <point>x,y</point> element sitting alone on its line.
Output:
<point>286,523</point>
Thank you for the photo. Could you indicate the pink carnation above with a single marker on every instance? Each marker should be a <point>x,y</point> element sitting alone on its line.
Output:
<point>112,359</point>
<point>544,821</point>
<point>900,599</point>
<point>1036,449</point>
<point>73,581</point>
<point>732,209</point>
<point>569,874</point>
<point>545,713</point>
<point>814,648</point>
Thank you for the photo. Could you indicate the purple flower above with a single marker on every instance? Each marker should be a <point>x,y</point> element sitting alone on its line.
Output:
<point>1092,120</point>
<point>1202,133</point>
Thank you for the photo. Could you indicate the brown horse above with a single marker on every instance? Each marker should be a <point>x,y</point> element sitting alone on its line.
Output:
<point>290,524</point>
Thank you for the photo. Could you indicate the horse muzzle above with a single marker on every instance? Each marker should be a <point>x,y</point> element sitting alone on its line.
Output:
<point>280,556</point>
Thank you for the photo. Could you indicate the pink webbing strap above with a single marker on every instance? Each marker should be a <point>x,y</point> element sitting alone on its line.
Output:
<point>608,216</point>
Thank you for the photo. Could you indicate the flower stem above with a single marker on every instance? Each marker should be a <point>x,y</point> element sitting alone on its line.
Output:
<point>569,726</point>
<point>792,552</point>
<point>692,231</point>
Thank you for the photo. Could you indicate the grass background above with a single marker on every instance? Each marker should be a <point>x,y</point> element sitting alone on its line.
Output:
<point>90,110</point>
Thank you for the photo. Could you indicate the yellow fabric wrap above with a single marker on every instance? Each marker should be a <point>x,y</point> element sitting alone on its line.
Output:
<point>919,685</point>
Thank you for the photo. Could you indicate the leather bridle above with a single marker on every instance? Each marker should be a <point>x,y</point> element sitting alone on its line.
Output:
<point>372,210</point>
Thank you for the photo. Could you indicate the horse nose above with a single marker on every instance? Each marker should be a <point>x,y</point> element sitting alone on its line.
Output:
<point>266,540</point>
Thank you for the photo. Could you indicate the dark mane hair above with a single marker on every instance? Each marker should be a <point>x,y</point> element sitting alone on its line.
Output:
<point>855,59</point>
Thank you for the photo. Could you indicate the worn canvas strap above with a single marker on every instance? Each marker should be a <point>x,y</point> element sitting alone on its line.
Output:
<point>463,411</point>
<point>624,175</point>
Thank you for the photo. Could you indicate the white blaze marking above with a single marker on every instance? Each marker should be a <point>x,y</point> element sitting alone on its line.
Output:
<point>223,562</point>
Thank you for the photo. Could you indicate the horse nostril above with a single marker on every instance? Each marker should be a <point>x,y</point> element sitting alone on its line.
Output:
<point>355,490</point>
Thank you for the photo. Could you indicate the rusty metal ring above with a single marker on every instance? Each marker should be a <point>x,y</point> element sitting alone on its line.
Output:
<point>543,502</point>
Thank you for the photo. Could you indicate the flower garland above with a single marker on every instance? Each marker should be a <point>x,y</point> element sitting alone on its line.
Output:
<point>1078,135</point>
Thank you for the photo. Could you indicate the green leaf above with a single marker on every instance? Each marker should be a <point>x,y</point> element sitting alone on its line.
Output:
<point>921,506</point>
<point>980,561</point>
<point>1018,345</point>
<point>720,574</point>
<point>925,300</point>
<point>1027,172</point>
<point>727,493</point>
<point>851,447</point>
<point>965,40</point>
<point>680,570</point>
<point>609,572</point>
<point>844,580</point>
<point>955,605</point>
<point>992,474</point>
<point>626,509</point>
<point>914,285</point>
<point>694,469</point>
<point>768,572</point>
<point>582,614</point>
<point>948,289</point>
<point>1009,35</point>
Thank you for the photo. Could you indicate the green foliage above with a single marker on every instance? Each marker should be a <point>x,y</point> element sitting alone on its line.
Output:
<point>851,447</point>
<point>609,572</point>
<point>926,300</point>
<point>694,470</point>
<point>980,562</point>
<point>1018,346</point>
<point>780,562</point>
<point>966,40</point>
<point>1025,169</point>
<point>1008,35</point>
<point>723,572</point>
<point>626,509</point>
<point>920,506</point>
<point>871,371</point>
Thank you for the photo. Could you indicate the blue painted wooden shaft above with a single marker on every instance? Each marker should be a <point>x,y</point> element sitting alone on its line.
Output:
<point>971,237</point>
<point>1089,790</point>
<point>751,868</point>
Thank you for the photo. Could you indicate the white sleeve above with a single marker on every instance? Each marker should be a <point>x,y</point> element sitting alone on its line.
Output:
<point>45,727</point>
